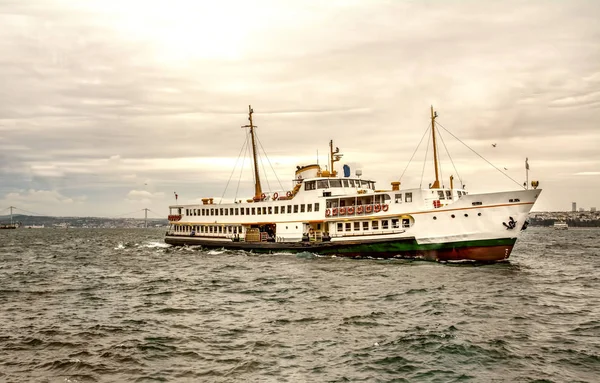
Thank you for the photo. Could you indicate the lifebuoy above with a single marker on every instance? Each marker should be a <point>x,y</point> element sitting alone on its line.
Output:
<point>327,213</point>
<point>369,209</point>
<point>385,207</point>
<point>350,210</point>
<point>263,196</point>
<point>334,211</point>
<point>342,211</point>
<point>275,196</point>
<point>288,194</point>
<point>359,209</point>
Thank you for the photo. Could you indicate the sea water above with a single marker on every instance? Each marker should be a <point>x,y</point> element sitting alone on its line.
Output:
<point>95,305</point>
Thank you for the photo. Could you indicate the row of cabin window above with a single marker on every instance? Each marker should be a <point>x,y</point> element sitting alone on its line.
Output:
<point>338,183</point>
<point>209,229</point>
<point>393,223</point>
<point>358,201</point>
<point>407,197</point>
<point>264,210</point>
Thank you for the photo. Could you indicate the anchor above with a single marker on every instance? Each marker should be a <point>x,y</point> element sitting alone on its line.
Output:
<point>511,224</point>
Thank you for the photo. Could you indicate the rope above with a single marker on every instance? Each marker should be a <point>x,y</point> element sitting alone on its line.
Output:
<point>480,156</point>
<point>232,171</point>
<point>415,152</point>
<point>449,156</point>
<point>271,165</point>
<point>242,169</point>
<point>439,158</point>
<point>424,162</point>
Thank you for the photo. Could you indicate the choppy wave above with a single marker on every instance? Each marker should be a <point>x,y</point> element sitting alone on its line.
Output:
<point>120,305</point>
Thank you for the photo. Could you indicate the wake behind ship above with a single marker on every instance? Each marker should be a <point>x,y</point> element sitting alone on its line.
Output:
<point>348,216</point>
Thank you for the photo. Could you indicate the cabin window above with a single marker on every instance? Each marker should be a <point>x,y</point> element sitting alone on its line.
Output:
<point>351,183</point>
<point>316,207</point>
<point>253,211</point>
<point>220,229</point>
<point>276,209</point>
<point>408,197</point>
<point>226,211</point>
<point>237,211</point>
<point>283,210</point>
<point>221,211</point>
<point>310,185</point>
<point>363,183</point>
<point>365,225</point>
<point>289,209</point>
<point>356,226</point>
<point>322,184</point>
<point>348,226</point>
<point>302,208</point>
<point>395,223</point>
<point>230,211</point>
<point>187,211</point>
<point>295,208</point>
<point>375,225</point>
<point>309,207</point>
<point>318,226</point>
<point>386,198</point>
<point>405,222</point>
<point>247,211</point>
<point>340,226</point>
<point>448,194</point>
<point>212,211</point>
<point>235,230</point>
<point>242,210</point>
<point>384,224</point>
<point>398,198</point>
<point>335,183</point>
<point>270,210</point>
<point>441,194</point>
<point>345,182</point>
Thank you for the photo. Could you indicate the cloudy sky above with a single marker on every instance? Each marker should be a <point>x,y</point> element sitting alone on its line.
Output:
<point>108,107</point>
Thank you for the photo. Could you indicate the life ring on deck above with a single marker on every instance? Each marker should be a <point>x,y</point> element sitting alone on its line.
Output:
<point>263,196</point>
<point>377,208</point>
<point>327,213</point>
<point>359,209</point>
<point>289,194</point>
<point>369,209</point>
<point>342,211</point>
<point>334,211</point>
<point>350,210</point>
<point>275,196</point>
<point>385,207</point>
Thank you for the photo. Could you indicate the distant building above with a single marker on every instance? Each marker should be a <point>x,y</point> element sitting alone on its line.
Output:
<point>581,209</point>
<point>593,209</point>
<point>574,206</point>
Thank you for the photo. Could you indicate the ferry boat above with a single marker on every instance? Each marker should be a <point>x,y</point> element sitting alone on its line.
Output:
<point>330,214</point>
<point>560,225</point>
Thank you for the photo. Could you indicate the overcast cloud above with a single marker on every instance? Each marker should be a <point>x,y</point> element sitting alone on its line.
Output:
<point>108,107</point>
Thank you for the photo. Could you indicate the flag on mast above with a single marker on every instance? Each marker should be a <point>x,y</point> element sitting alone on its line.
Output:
<point>175,195</point>
<point>526,163</point>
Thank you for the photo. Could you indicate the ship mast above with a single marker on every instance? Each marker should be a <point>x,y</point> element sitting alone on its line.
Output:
<point>257,187</point>
<point>436,184</point>
<point>333,157</point>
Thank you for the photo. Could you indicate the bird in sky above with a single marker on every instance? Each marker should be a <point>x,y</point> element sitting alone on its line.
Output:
<point>494,145</point>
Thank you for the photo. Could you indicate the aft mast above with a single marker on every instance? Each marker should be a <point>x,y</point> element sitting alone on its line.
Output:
<point>436,184</point>
<point>257,187</point>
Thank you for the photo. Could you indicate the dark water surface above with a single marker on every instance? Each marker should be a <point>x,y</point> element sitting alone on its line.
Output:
<point>86,305</point>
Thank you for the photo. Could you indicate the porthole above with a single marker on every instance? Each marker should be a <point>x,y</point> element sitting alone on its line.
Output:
<point>434,217</point>
<point>466,215</point>
<point>453,216</point>
<point>479,214</point>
